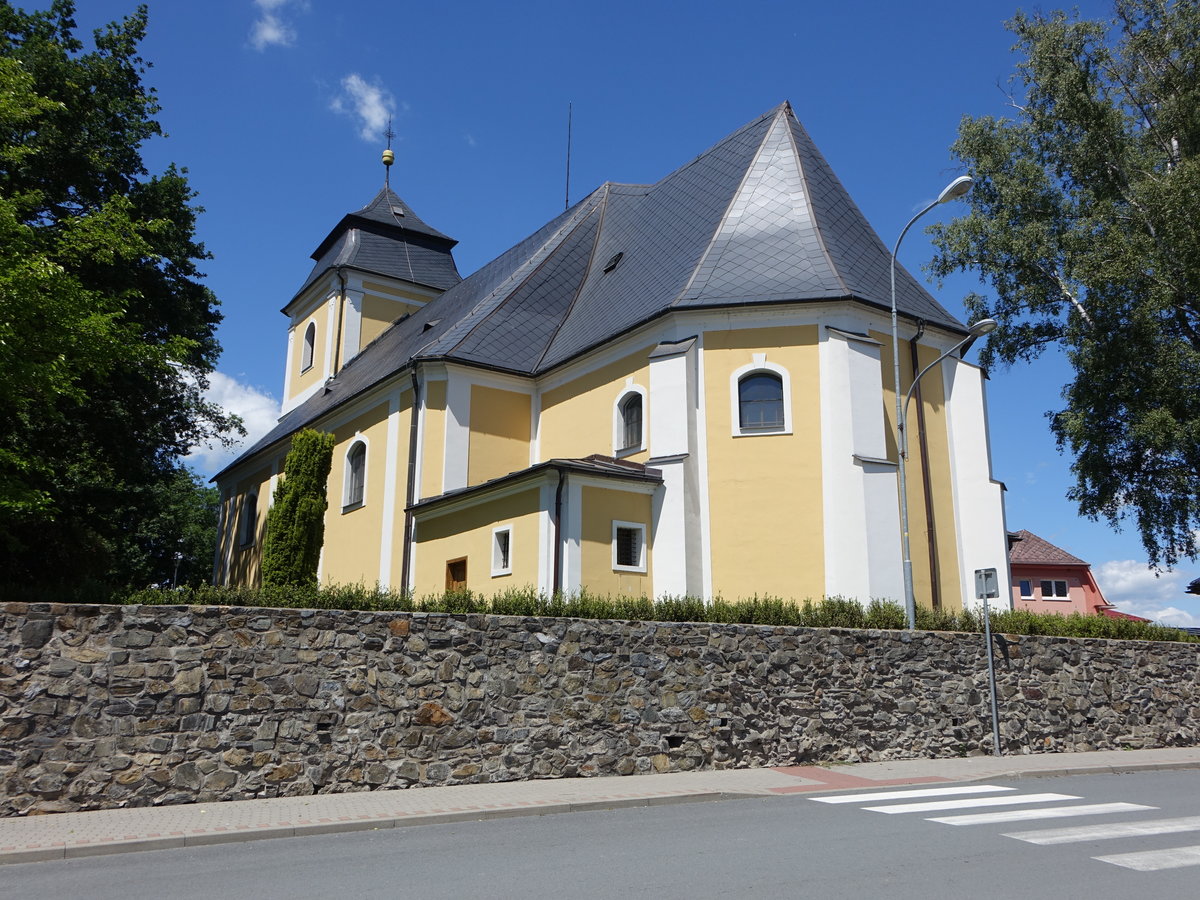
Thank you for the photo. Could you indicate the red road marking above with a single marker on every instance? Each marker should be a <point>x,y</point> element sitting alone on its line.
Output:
<point>827,778</point>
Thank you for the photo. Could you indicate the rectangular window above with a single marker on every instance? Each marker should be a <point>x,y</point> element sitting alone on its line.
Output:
<point>456,574</point>
<point>249,521</point>
<point>1026,590</point>
<point>1054,590</point>
<point>502,550</point>
<point>629,547</point>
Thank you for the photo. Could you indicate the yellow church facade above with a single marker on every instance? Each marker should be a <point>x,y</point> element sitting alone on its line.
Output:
<point>670,389</point>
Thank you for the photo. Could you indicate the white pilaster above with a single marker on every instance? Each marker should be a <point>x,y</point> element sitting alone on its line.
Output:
<point>391,450</point>
<point>859,485</point>
<point>545,547</point>
<point>978,498</point>
<point>572,536</point>
<point>677,527</point>
<point>351,324</point>
<point>288,367</point>
<point>331,315</point>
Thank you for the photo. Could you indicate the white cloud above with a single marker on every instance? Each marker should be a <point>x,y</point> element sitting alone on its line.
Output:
<point>271,29</point>
<point>370,103</point>
<point>1133,587</point>
<point>259,412</point>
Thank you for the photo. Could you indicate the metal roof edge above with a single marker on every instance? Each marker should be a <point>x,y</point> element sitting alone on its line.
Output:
<point>580,466</point>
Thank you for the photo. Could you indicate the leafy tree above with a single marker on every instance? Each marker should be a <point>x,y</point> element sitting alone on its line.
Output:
<point>175,532</point>
<point>106,333</point>
<point>1085,221</point>
<point>296,521</point>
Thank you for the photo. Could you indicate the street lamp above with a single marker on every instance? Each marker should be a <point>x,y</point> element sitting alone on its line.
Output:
<point>979,329</point>
<point>955,189</point>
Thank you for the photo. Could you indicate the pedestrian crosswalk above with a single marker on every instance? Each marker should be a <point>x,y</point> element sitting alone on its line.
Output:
<point>1034,806</point>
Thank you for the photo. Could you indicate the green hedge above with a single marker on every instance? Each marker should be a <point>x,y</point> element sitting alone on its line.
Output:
<point>834,612</point>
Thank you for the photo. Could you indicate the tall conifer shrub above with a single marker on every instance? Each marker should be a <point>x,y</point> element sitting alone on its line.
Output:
<point>296,521</point>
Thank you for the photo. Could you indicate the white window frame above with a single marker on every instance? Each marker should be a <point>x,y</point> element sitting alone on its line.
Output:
<point>641,529</point>
<point>1024,581</point>
<point>347,504</point>
<point>618,433</point>
<point>248,527</point>
<point>759,364</point>
<point>308,349</point>
<point>498,568</point>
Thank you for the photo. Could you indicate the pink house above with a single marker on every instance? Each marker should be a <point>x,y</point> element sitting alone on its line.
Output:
<point>1046,578</point>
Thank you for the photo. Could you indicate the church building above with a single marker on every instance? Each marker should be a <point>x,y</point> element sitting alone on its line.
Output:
<point>677,388</point>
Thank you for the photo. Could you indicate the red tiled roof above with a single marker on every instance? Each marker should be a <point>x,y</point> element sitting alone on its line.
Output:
<point>1033,550</point>
<point>1113,613</point>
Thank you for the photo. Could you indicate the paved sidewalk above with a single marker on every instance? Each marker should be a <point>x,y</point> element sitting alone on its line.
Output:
<point>71,835</point>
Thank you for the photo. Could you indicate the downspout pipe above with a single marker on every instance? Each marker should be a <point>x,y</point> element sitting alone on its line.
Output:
<point>410,489</point>
<point>935,589</point>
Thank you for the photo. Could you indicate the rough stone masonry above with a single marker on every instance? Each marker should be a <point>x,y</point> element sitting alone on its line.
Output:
<point>109,706</point>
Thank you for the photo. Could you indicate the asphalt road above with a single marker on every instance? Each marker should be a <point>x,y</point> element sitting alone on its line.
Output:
<point>793,846</point>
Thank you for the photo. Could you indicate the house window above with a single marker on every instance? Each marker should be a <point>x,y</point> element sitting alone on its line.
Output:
<point>310,343</point>
<point>456,574</point>
<point>629,546</point>
<point>502,550</point>
<point>1054,590</point>
<point>356,475</point>
<point>631,422</point>
<point>1026,589</point>
<point>249,520</point>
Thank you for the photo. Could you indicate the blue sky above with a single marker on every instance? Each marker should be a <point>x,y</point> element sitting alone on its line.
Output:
<point>276,107</point>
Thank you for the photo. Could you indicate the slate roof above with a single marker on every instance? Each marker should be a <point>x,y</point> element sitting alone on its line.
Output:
<point>1031,550</point>
<point>759,218</point>
<point>386,237</point>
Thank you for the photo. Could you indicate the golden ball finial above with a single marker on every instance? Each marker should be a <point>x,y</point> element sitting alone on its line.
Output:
<point>388,157</point>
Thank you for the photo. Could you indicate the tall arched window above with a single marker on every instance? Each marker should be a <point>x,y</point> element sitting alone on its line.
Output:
<point>631,422</point>
<point>760,402</point>
<point>310,343</point>
<point>356,474</point>
<point>249,520</point>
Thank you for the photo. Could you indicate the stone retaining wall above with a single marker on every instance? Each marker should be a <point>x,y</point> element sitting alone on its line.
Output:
<point>107,706</point>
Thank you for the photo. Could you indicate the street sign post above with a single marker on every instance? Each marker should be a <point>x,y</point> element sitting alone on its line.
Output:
<point>987,586</point>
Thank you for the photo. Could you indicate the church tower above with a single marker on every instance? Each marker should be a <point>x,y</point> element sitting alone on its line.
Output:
<point>378,265</point>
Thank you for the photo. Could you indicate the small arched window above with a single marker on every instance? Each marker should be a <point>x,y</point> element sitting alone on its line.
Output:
<point>310,344</point>
<point>631,422</point>
<point>760,402</point>
<point>356,474</point>
<point>248,525</point>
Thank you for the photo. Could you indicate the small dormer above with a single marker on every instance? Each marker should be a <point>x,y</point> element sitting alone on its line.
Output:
<point>377,265</point>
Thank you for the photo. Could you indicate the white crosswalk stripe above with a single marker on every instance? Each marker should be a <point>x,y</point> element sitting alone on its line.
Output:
<point>1153,860</point>
<point>968,803</point>
<point>918,792</point>
<point>969,797</point>
<point>1045,812</point>
<point>1108,831</point>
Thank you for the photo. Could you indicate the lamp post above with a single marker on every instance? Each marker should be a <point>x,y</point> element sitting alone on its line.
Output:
<point>955,189</point>
<point>979,329</point>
